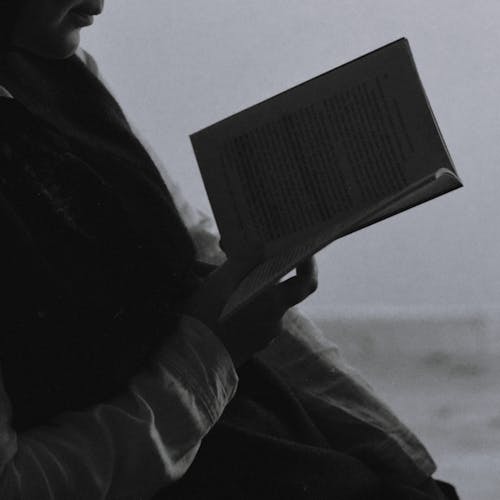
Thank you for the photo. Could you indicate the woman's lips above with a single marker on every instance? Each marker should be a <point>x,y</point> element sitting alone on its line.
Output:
<point>84,15</point>
<point>81,18</point>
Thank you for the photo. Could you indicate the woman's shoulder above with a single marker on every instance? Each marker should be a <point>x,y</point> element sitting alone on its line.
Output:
<point>13,115</point>
<point>32,160</point>
<point>25,134</point>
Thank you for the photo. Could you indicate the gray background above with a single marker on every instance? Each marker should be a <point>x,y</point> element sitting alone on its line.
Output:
<point>177,66</point>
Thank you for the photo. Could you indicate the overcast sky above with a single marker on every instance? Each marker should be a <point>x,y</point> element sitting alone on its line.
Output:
<point>177,66</point>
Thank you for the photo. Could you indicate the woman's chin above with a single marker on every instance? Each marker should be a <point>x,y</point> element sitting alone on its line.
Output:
<point>57,47</point>
<point>63,47</point>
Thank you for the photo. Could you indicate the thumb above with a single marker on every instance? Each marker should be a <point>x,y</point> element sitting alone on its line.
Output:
<point>209,300</point>
<point>226,278</point>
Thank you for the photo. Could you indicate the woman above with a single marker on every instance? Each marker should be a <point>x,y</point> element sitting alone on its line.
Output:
<point>115,365</point>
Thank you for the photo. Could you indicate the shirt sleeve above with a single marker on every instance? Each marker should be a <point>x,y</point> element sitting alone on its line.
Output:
<point>133,445</point>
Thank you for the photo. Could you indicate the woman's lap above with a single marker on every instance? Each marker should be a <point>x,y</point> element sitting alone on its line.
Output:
<point>267,446</point>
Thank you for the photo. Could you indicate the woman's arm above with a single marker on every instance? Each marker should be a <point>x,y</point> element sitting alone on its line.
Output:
<point>311,363</point>
<point>132,445</point>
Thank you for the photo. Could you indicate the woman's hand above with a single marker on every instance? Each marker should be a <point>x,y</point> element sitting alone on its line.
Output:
<point>256,324</point>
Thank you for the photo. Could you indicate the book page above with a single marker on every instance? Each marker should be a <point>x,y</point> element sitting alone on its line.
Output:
<point>444,182</point>
<point>285,170</point>
<point>283,261</point>
<point>320,152</point>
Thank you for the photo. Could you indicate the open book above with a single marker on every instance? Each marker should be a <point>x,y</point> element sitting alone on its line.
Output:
<point>337,153</point>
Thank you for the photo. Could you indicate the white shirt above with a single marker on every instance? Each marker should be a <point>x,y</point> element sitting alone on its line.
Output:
<point>147,437</point>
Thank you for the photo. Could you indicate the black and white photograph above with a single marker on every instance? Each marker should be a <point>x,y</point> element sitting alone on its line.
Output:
<point>249,250</point>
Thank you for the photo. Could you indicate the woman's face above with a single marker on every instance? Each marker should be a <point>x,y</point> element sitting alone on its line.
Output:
<point>51,28</point>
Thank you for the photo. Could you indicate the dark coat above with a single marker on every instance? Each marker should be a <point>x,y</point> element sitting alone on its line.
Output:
<point>94,257</point>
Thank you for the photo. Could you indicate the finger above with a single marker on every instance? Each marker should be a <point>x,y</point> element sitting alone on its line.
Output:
<point>308,270</point>
<point>297,288</point>
<point>207,302</point>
